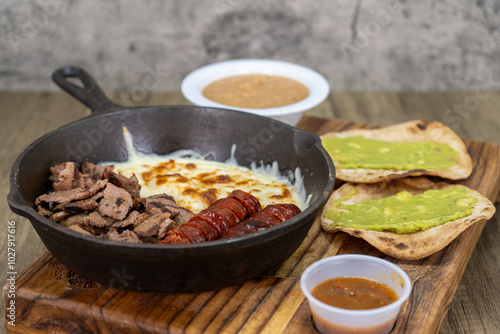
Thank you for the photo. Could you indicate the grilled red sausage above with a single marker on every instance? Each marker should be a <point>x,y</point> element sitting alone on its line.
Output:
<point>234,205</point>
<point>209,232</point>
<point>283,211</point>
<point>214,221</point>
<point>193,233</point>
<point>250,202</point>
<point>271,215</point>
<point>219,217</point>
<point>176,236</point>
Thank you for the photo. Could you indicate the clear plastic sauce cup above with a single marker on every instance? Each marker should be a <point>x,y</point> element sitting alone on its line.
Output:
<point>330,319</point>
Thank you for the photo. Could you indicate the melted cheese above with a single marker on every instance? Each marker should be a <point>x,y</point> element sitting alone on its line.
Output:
<point>195,182</point>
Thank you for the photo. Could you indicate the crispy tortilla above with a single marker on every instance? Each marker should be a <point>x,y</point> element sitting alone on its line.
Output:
<point>407,246</point>
<point>412,131</point>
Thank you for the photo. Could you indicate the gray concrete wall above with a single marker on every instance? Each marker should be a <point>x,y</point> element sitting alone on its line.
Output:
<point>357,45</point>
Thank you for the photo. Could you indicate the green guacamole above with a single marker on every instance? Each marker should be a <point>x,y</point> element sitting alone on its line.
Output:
<point>358,152</point>
<point>403,212</point>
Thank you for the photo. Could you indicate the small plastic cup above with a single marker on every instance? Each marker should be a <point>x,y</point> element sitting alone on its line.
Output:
<point>330,319</point>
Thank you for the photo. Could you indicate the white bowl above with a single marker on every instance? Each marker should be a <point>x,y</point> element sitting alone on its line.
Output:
<point>333,319</point>
<point>193,84</point>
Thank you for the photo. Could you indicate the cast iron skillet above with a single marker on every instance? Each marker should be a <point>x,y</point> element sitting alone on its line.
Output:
<point>163,129</point>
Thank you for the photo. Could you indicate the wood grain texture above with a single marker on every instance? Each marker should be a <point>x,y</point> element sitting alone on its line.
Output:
<point>53,298</point>
<point>474,307</point>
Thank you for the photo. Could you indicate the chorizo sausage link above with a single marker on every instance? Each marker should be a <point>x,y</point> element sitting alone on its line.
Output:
<point>258,222</point>
<point>283,211</point>
<point>234,205</point>
<point>214,221</point>
<point>175,237</point>
<point>250,202</point>
<point>206,228</point>
<point>271,215</point>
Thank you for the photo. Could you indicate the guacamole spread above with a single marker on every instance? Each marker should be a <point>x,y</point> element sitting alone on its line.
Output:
<point>403,212</point>
<point>359,152</point>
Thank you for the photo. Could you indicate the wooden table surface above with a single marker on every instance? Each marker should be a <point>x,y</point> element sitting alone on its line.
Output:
<point>475,308</point>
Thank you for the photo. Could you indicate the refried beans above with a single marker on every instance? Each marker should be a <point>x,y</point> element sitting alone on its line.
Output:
<point>256,91</point>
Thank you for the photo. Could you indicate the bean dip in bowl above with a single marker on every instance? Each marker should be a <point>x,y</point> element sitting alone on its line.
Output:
<point>270,88</point>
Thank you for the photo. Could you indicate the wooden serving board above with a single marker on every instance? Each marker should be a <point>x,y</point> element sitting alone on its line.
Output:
<point>50,298</point>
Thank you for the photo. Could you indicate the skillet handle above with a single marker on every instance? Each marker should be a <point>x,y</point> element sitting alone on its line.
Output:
<point>90,94</point>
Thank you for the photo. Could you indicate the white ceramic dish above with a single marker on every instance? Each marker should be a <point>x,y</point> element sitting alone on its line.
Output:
<point>193,84</point>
